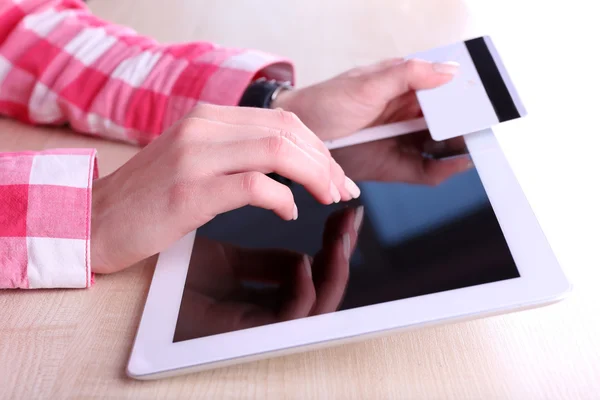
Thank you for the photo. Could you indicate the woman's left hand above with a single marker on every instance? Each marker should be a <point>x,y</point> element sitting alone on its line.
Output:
<point>369,96</point>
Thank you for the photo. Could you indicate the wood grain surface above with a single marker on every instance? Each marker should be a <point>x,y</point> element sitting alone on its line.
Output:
<point>57,344</point>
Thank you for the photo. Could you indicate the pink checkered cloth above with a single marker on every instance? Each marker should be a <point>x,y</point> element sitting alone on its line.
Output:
<point>60,64</point>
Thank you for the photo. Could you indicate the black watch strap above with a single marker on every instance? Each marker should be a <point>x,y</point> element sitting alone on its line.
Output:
<point>261,93</point>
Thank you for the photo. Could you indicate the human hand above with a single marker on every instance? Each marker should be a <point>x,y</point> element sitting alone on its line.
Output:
<point>221,292</point>
<point>370,96</point>
<point>210,162</point>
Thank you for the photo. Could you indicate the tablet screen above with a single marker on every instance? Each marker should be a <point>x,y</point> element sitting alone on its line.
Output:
<point>396,241</point>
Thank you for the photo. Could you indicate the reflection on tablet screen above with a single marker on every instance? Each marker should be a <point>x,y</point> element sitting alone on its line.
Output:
<point>247,267</point>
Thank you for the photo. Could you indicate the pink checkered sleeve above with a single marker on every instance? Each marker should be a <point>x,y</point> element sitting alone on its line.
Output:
<point>60,64</point>
<point>45,204</point>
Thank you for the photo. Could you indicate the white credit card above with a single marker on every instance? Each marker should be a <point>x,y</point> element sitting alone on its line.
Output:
<point>479,96</point>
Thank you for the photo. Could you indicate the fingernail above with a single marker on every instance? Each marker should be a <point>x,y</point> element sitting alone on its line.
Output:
<point>448,67</point>
<point>358,217</point>
<point>346,245</point>
<point>352,188</point>
<point>295,217</point>
<point>335,193</point>
<point>307,266</point>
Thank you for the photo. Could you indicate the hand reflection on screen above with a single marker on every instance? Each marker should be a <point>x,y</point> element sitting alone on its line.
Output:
<point>230,288</point>
<point>415,158</point>
<point>453,147</point>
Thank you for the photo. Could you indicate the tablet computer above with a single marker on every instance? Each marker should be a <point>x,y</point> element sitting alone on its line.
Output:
<point>248,285</point>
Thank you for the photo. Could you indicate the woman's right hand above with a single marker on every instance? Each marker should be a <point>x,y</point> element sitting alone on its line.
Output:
<point>210,162</point>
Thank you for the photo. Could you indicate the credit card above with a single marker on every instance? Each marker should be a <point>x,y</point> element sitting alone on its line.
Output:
<point>479,96</point>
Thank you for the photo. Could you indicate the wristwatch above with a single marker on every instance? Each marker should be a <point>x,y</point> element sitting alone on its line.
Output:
<point>262,92</point>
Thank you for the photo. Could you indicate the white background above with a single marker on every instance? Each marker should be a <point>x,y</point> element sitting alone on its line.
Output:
<point>551,50</point>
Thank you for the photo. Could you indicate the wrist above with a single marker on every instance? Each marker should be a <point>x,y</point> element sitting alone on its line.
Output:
<point>301,103</point>
<point>283,99</point>
<point>262,93</point>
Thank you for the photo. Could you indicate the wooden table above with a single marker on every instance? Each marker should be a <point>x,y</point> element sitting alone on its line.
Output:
<point>75,344</point>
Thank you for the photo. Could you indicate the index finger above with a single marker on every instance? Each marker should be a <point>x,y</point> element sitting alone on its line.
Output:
<point>410,75</point>
<point>277,119</point>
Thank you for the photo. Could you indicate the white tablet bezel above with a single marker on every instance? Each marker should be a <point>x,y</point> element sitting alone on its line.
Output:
<point>155,355</point>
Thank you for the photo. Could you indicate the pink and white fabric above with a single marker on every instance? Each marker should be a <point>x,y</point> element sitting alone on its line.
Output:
<point>60,64</point>
<point>45,218</point>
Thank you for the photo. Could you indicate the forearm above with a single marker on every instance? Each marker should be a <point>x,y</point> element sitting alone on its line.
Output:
<point>60,64</point>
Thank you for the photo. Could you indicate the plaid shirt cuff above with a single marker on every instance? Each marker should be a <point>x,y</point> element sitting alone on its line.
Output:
<point>45,204</point>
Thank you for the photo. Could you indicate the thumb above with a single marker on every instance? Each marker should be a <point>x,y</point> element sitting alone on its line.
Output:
<point>391,82</point>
